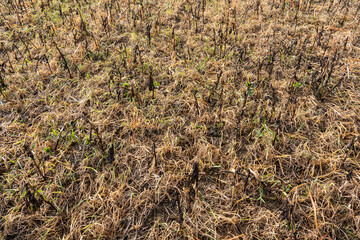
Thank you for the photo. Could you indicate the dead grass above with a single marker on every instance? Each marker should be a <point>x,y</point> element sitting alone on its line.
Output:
<point>179,119</point>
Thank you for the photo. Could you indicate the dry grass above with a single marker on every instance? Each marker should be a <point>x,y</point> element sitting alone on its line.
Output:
<point>180,119</point>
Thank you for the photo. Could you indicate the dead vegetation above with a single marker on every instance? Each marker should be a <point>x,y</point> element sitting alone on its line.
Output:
<point>179,119</point>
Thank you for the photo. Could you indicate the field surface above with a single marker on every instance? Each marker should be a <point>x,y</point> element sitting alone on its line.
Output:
<point>179,119</point>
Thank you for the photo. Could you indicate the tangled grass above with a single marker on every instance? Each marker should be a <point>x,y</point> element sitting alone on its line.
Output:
<point>179,119</point>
